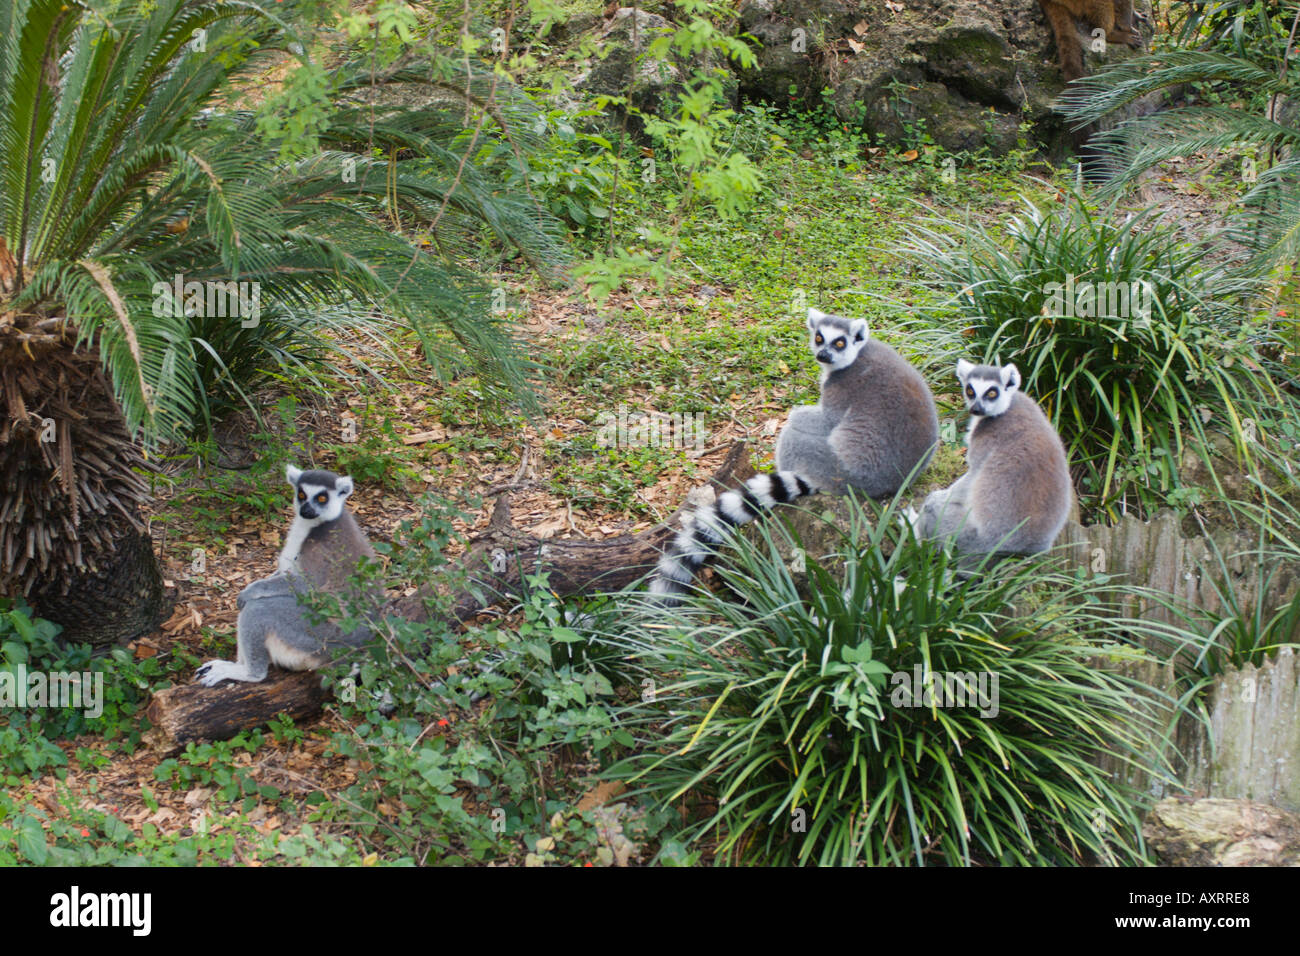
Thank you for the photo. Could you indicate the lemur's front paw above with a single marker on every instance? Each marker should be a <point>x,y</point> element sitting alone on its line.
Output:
<point>214,672</point>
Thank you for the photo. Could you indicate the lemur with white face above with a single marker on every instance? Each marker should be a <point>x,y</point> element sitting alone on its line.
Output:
<point>875,427</point>
<point>1016,493</point>
<point>321,552</point>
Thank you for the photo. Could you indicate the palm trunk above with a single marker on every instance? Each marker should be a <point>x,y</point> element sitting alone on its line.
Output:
<point>72,539</point>
<point>120,599</point>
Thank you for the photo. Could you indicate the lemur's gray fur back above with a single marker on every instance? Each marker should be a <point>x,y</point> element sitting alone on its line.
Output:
<point>875,423</point>
<point>875,426</point>
<point>1015,495</point>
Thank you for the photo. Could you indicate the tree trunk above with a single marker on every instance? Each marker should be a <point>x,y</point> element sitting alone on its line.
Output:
<point>502,555</point>
<point>72,539</point>
<point>121,599</point>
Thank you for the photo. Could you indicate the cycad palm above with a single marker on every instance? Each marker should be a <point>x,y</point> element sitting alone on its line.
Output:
<point>1270,223</point>
<point>109,190</point>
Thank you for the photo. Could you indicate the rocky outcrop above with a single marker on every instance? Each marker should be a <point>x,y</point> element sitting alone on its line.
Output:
<point>1184,832</point>
<point>621,44</point>
<point>965,72</point>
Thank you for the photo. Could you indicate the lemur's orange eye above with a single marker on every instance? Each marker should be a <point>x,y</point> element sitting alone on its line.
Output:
<point>970,392</point>
<point>819,340</point>
<point>302,496</point>
<point>991,394</point>
<point>322,498</point>
<point>839,344</point>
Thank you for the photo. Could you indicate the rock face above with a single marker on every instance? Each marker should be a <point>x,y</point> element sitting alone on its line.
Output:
<point>965,72</point>
<point>1185,832</point>
<point>620,42</point>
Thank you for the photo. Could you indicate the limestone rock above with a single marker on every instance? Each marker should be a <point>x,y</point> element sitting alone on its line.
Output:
<point>1184,832</point>
<point>621,42</point>
<point>966,73</point>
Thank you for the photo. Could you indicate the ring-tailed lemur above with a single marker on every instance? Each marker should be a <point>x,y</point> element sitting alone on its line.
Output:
<point>1016,493</point>
<point>321,552</point>
<point>875,426</point>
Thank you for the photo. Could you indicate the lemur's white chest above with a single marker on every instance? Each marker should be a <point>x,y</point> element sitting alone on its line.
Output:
<point>293,542</point>
<point>971,426</point>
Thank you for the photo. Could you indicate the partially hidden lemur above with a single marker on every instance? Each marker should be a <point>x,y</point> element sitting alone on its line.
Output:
<point>875,427</point>
<point>1115,17</point>
<point>321,552</point>
<point>1015,495</point>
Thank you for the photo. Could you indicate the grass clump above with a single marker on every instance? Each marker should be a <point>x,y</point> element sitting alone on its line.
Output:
<point>786,719</point>
<point>1135,343</point>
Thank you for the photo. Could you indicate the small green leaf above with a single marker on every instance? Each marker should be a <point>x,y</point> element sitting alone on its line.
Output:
<point>31,841</point>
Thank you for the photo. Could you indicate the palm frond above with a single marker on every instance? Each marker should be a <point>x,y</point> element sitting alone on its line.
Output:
<point>1142,142</point>
<point>1091,98</point>
<point>119,183</point>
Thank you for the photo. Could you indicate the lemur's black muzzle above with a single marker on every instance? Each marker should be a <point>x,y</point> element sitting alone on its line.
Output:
<point>307,511</point>
<point>825,356</point>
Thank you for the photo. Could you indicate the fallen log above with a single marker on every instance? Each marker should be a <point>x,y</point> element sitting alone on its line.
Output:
<point>501,556</point>
<point>191,712</point>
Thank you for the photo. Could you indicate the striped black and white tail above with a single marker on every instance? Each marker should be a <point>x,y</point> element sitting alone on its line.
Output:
<point>694,544</point>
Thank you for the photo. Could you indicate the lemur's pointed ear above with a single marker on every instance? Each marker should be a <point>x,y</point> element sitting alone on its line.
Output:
<point>963,369</point>
<point>858,330</point>
<point>1010,377</point>
<point>292,475</point>
<point>343,487</point>
<point>814,316</point>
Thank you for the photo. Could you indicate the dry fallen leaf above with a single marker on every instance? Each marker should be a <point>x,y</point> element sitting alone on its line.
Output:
<point>181,617</point>
<point>437,433</point>
<point>599,796</point>
<point>164,816</point>
<point>548,527</point>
